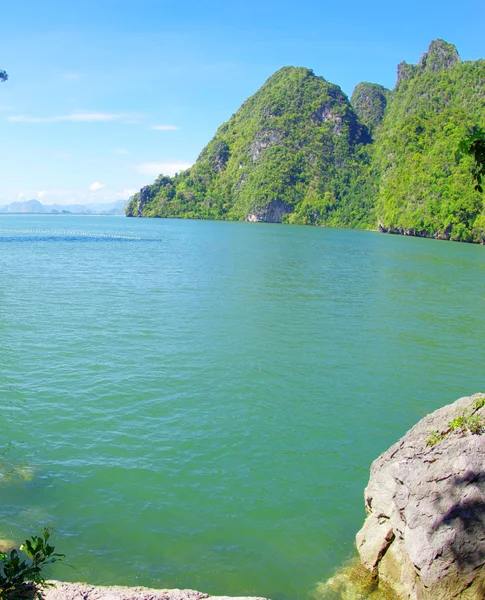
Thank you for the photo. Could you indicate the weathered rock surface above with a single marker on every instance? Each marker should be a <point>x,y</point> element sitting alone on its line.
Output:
<point>84,591</point>
<point>425,530</point>
<point>271,213</point>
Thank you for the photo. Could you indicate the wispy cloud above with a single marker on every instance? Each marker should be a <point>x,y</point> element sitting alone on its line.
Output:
<point>96,186</point>
<point>78,116</point>
<point>165,127</point>
<point>71,76</point>
<point>165,168</point>
<point>121,151</point>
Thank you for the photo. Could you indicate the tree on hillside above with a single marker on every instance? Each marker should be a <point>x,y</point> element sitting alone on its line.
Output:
<point>474,145</point>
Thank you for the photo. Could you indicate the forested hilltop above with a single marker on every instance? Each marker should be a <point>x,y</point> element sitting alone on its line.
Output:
<point>299,151</point>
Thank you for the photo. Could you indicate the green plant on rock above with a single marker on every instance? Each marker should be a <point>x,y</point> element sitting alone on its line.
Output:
<point>473,423</point>
<point>479,403</point>
<point>434,437</point>
<point>459,422</point>
<point>23,577</point>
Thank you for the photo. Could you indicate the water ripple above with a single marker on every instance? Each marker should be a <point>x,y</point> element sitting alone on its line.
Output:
<point>202,411</point>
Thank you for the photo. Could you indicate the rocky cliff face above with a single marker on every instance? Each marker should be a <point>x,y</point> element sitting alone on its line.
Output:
<point>136,206</point>
<point>425,501</point>
<point>440,55</point>
<point>271,213</point>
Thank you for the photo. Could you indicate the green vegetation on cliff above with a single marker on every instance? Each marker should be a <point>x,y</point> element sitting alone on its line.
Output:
<point>295,151</point>
<point>425,184</point>
<point>369,101</point>
<point>298,151</point>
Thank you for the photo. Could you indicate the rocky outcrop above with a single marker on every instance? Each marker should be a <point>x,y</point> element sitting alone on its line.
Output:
<point>135,208</point>
<point>84,591</point>
<point>440,55</point>
<point>437,235</point>
<point>425,528</point>
<point>262,141</point>
<point>271,213</point>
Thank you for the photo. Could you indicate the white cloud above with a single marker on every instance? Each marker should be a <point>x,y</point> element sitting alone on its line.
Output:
<point>121,151</point>
<point>165,168</point>
<point>96,186</point>
<point>78,116</point>
<point>165,127</point>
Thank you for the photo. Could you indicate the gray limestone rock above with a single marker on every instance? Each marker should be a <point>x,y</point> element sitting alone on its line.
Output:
<point>84,591</point>
<point>271,213</point>
<point>425,528</point>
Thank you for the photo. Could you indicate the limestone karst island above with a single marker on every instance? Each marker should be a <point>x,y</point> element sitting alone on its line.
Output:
<point>299,151</point>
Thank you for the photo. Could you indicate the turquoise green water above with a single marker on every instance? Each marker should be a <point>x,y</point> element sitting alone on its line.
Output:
<point>198,403</point>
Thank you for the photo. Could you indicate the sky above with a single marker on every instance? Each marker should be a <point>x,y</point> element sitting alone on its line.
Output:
<point>105,95</point>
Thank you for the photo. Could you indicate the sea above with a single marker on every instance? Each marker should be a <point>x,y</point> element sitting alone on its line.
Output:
<point>197,404</point>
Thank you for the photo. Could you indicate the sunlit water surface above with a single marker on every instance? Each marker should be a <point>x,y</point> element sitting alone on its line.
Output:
<point>197,404</point>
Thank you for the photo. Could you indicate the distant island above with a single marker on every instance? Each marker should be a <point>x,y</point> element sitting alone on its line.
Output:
<point>36,207</point>
<point>299,151</point>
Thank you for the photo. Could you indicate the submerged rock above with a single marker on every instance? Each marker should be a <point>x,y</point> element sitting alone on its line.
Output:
<point>353,582</point>
<point>84,591</point>
<point>6,545</point>
<point>425,528</point>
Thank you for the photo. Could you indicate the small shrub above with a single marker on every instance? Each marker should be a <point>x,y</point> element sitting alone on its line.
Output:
<point>479,403</point>
<point>475,424</point>
<point>465,422</point>
<point>19,577</point>
<point>459,422</point>
<point>434,437</point>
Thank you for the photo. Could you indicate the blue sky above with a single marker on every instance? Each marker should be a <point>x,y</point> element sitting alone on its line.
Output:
<point>103,96</point>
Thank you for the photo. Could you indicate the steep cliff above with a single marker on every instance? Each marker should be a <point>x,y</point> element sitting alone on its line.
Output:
<point>425,185</point>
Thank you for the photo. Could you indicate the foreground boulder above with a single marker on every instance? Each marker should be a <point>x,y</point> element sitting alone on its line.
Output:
<point>424,534</point>
<point>84,591</point>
